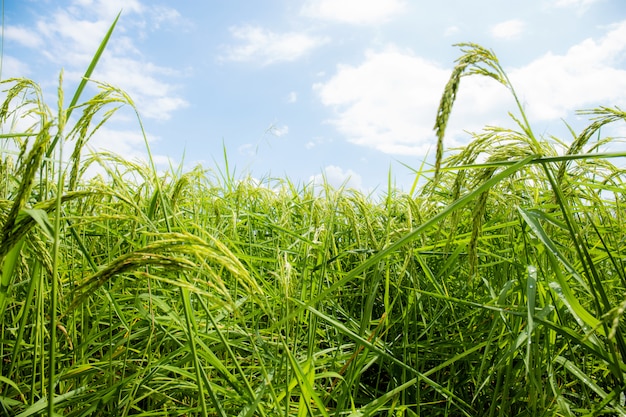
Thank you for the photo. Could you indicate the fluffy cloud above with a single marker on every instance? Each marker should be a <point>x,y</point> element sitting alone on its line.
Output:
<point>389,101</point>
<point>13,67</point>
<point>23,36</point>
<point>336,177</point>
<point>590,73</point>
<point>280,130</point>
<point>69,37</point>
<point>268,47</point>
<point>451,30</point>
<point>127,144</point>
<point>509,29</point>
<point>359,12</point>
<point>155,98</point>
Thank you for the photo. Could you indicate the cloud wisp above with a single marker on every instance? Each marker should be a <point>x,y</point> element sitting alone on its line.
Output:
<point>509,29</point>
<point>262,45</point>
<point>23,36</point>
<point>69,37</point>
<point>336,177</point>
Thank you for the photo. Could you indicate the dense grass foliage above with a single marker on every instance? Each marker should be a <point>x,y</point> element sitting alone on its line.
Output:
<point>494,288</point>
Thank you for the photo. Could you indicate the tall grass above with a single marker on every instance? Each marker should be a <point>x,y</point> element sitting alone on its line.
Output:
<point>495,289</point>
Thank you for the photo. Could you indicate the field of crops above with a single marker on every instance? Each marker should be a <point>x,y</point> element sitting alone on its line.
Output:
<point>495,287</point>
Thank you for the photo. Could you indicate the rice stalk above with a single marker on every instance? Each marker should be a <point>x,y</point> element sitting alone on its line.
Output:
<point>495,290</point>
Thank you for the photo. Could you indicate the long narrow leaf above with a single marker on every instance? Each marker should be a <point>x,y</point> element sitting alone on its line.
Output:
<point>408,238</point>
<point>464,407</point>
<point>584,318</point>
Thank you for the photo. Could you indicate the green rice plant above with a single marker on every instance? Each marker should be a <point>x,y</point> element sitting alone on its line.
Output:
<point>496,288</point>
<point>548,194</point>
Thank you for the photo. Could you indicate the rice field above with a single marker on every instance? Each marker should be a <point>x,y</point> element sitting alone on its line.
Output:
<point>494,287</point>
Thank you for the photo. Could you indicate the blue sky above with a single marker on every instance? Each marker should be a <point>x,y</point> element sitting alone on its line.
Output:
<point>347,89</point>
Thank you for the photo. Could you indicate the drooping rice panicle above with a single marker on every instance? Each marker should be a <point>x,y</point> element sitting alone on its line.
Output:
<point>495,288</point>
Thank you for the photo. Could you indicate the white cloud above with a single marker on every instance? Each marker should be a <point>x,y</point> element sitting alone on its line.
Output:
<point>142,81</point>
<point>26,116</point>
<point>269,47</point>
<point>163,14</point>
<point>509,29</point>
<point>292,97</point>
<point>277,131</point>
<point>389,102</point>
<point>280,130</point>
<point>13,67</point>
<point>451,30</point>
<point>23,36</point>
<point>69,38</point>
<point>317,141</point>
<point>591,73</point>
<point>336,177</point>
<point>248,149</point>
<point>126,145</point>
<point>359,12</point>
<point>129,143</point>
